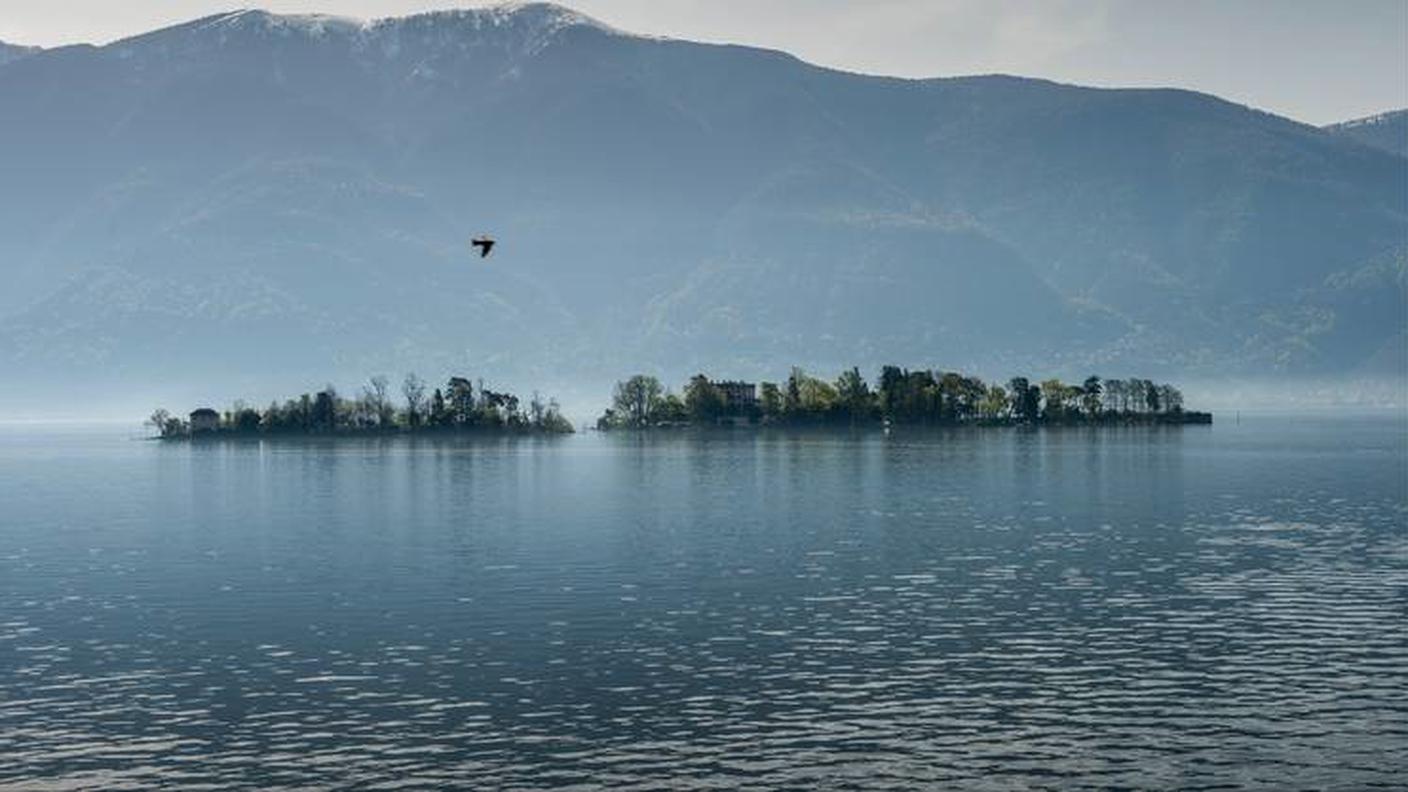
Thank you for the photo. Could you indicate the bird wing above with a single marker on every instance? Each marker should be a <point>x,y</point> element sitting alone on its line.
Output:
<point>484,244</point>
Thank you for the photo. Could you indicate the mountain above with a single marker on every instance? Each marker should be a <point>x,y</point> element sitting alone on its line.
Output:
<point>13,52</point>
<point>250,203</point>
<point>1386,131</point>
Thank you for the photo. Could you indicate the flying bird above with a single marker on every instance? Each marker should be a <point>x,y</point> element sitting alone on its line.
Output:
<point>484,243</point>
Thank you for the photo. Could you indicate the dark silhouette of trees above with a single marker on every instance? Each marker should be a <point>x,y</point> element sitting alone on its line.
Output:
<point>770,402</point>
<point>1171,399</point>
<point>994,404</point>
<point>818,400</point>
<point>1115,396</point>
<point>459,401</point>
<point>1058,399</point>
<point>792,400</point>
<point>1151,396</point>
<point>157,420</point>
<point>911,396</point>
<point>552,421</point>
<point>1026,399</point>
<point>165,424</point>
<point>378,398</point>
<point>1090,395</point>
<point>641,402</point>
<point>413,390</point>
<point>702,400</point>
<point>671,410</point>
<point>1137,394</point>
<point>374,410</point>
<point>324,418</point>
<point>439,413</point>
<point>854,396</point>
<point>891,380</point>
<point>637,399</point>
<point>903,396</point>
<point>244,420</point>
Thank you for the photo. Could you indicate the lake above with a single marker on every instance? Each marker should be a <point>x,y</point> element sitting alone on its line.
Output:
<point>1152,607</point>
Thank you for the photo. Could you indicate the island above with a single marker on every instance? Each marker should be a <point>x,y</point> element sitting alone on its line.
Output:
<point>461,406</point>
<point>901,396</point>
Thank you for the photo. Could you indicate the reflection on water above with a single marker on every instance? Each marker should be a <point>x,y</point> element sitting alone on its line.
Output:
<point>1151,607</point>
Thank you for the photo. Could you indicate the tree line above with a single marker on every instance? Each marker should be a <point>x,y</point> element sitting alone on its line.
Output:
<point>461,405</point>
<point>900,396</point>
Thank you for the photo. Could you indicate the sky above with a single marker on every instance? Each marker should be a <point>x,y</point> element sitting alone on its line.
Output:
<point>1316,62</point>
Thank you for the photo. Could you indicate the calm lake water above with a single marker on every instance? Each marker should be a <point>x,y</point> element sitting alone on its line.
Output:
<point>1184,608</point>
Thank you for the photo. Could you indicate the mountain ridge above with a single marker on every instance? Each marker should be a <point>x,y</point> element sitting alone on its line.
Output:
<point>1387,131</point>
<point>660,203</point>
<point>13,52</point>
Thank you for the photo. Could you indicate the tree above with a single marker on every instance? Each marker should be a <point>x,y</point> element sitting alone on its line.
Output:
<point>158,421</point>
<point>497,409</point>
<point>492,409</point>
<point>637,398</point>
<point>553,420</point>
<point>536,410</point>
<point>324,414</point>
<point>671,409</point>
<point>459,401</point>
<point>376,396</point>
<point>702,400</point>
<point>817,397</point>
<point>922,398</point>
<point>1090,396</point>
<point>995,403</point>
<point>1115,397</point>
<point>1136,394</point>
<point>1151,395</point>
<point>1057,396</point>
<point>770,401</point>
<point>1026,399</point>
<point>792,402</point>
<point>439,413</point>
<point>413,389</point>
<point>243,419</point>
<point>853,394</point>
<point>166,424</point>
<point>273,419</point>
<point>892,385</point>
<point>950,387</point>
<point>972,391</point>
<point>1171,398</point>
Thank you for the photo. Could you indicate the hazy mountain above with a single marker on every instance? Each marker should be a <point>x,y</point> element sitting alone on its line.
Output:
<point>1387,131</point>
<point>251,200</point>
<point>13,52</point>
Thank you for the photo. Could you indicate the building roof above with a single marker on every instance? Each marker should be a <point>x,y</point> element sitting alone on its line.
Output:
<point>204,412</point>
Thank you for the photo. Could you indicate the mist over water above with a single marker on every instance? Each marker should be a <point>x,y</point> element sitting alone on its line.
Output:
<point>1168,607</point>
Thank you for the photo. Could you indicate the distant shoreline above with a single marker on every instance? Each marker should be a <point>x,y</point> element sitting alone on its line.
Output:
<point>1181,418</point>
<point>437,433</point>
<point>775,429</point>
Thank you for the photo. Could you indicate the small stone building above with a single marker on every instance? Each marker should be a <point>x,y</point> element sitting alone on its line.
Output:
<point>739,397</point>
<point>204,420</point>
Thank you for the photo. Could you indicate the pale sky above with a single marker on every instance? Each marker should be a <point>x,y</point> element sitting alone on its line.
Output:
<point>1313,61</point>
